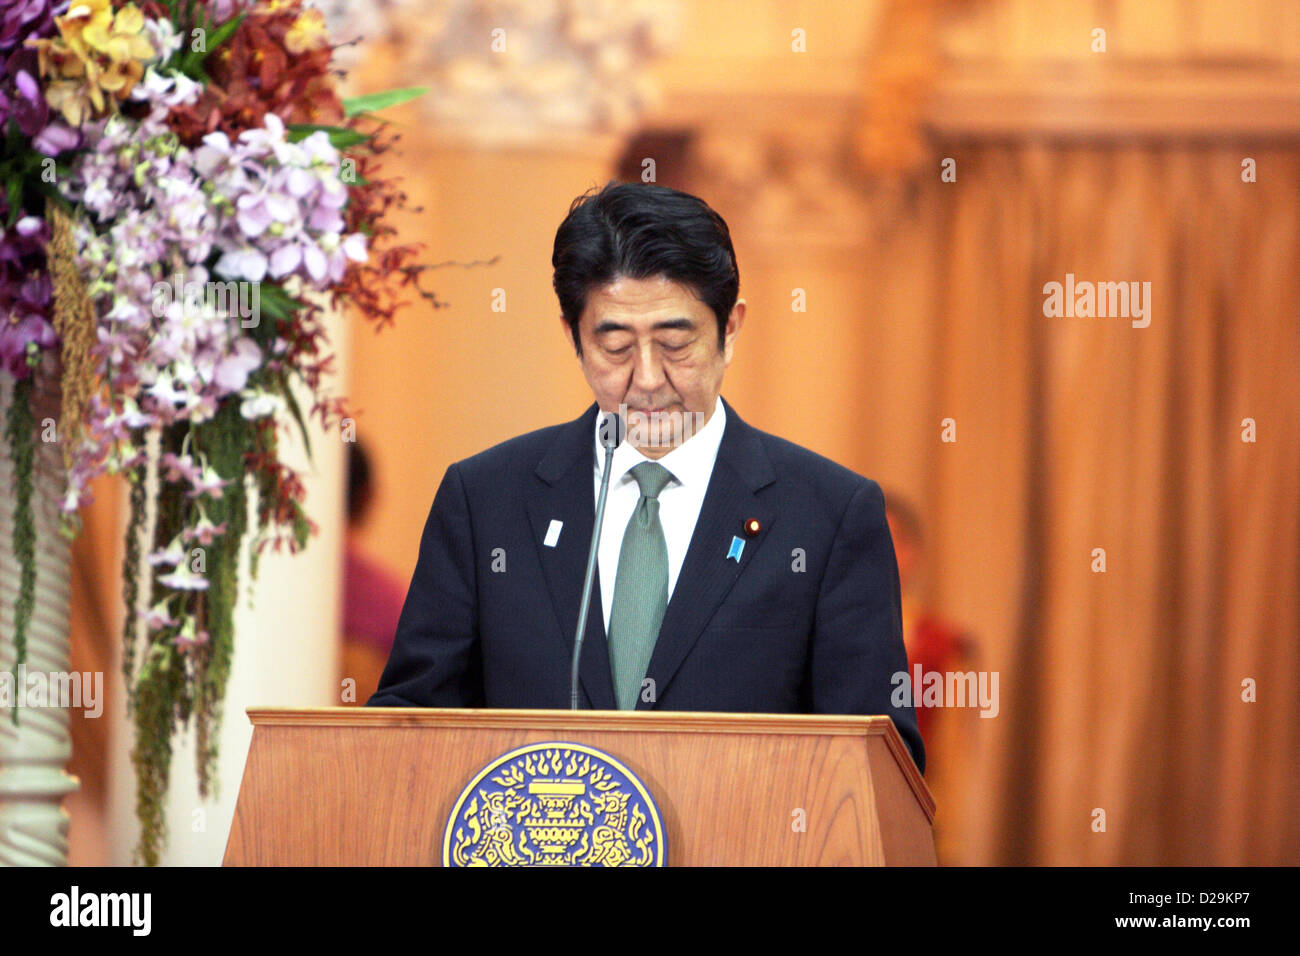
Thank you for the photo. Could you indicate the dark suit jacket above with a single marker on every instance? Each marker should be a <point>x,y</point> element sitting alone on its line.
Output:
<point>808,621</point>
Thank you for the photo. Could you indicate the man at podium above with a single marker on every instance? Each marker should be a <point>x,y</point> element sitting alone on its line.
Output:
<point>735,571</point>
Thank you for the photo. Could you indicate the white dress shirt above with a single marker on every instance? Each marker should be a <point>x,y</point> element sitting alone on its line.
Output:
<point>691,464</point>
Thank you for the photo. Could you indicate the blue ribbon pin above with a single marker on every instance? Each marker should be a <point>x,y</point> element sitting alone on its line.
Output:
<point>737,546</point>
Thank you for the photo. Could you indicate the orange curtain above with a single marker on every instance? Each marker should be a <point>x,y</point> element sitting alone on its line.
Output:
<point>1121,690</point>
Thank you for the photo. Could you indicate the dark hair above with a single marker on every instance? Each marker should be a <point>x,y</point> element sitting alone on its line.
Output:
<point>359,490</point>
<point>639,231</point>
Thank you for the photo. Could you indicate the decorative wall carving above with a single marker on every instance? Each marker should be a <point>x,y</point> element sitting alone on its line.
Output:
<point>524,72</point>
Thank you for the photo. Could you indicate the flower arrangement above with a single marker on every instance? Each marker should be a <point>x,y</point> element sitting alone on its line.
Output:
<point>182,189</point>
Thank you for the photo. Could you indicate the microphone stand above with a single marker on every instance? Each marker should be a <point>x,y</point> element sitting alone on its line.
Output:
<point>611,433</point>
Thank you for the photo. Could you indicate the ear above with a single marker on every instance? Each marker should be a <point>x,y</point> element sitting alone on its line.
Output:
<point>569,335</point>
<point>734,321</point>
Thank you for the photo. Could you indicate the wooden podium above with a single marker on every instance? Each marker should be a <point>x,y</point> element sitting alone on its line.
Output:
<point>374,786</point>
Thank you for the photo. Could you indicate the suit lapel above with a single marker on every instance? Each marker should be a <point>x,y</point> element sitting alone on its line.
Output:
<point>707,574</point>
<point>563,491</point>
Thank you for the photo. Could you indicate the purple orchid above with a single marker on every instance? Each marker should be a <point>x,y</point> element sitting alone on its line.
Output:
<point>18,339</point>
<point>179,467</point>
<point>21,98</point>
<point>26,294</point>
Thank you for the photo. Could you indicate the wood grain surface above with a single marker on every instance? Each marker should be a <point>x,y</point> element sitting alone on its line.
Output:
<point>374,786</point>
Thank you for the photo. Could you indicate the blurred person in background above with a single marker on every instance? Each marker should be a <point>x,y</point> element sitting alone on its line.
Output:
<point>937,645</point>
<point>372,595</point>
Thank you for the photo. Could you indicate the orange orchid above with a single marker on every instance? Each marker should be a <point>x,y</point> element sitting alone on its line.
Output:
<point>97,52</point>
<point>307,32</point>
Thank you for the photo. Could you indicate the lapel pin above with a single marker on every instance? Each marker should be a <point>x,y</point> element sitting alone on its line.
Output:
<point>553,533</point>
<point>752,527</point>
<point>737,546</point>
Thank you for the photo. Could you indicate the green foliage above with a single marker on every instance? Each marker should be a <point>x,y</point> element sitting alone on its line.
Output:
<point>295,410</point>
<point>356,105</point>
<point>340,137</point>
<point>21,169</point>
<point>223,439</point>
<point>159,698</point>
<point>131,574</point>
<point>277,305</point>
<point>20,433</point>
<point>190,62</point>
<point>173,685</point>
<point>161,682</point>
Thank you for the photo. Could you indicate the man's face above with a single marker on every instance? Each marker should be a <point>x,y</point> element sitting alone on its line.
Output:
<point>652,346</point>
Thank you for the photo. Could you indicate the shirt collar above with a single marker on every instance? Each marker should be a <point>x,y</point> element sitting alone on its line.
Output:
<point>691,462</point>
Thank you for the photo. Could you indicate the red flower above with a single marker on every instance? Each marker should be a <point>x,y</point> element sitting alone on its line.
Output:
<point>276,61</point>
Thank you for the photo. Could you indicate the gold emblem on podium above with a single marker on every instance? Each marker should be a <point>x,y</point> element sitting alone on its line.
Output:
<point>554,804</point>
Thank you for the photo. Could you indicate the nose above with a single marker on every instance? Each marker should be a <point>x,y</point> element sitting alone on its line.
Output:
<point>647,371</point>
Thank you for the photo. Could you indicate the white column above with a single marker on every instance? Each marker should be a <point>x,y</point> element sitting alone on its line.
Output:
<point>33,783</point>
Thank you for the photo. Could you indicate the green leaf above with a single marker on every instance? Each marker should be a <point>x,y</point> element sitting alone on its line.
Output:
<point>192,58</point>
<point>191,63</point>
<point>292,401</point>
<point>188,64</point>
<point>276,303</point>
<point>371,102</point>
<point>301,527</point>
<point>222,33</point>
<point>14,196</point>
<point>51,192</point>
<point>340,137</point>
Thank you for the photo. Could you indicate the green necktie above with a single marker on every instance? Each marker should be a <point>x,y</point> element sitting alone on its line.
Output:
<point>640,589</point>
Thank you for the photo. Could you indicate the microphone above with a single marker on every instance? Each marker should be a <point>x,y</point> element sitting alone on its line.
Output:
<point>611,435</point>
